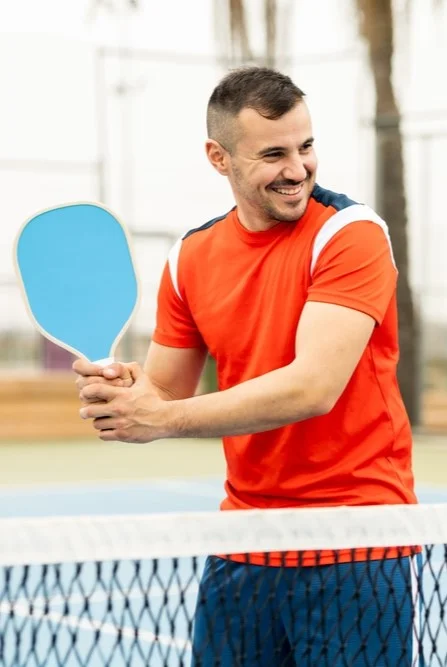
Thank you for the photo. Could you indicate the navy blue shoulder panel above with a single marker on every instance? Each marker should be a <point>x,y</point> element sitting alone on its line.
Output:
<point>329,198</point>
<point>207,225</point>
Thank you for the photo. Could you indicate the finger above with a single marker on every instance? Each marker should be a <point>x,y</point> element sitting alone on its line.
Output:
<point>86,368</point>
<point>90,401</point>
<point>117,370</point>
<point>82,382</point>
<point>97,411</point>
<point>99,392</point>
<point>107,423</point>
<point>109,435</point>
<point>119,435</point>
<point>135,371</point>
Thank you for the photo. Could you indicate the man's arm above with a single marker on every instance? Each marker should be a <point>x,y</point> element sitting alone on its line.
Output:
<point>330,341</point>
<point>174,371</point>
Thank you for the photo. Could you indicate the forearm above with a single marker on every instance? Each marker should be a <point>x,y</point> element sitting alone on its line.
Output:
<point>174,372</point>
<point>165,394</point>
<point>270,401</point>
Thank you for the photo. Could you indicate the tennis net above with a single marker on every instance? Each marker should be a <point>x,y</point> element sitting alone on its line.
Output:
<point>328,586</point>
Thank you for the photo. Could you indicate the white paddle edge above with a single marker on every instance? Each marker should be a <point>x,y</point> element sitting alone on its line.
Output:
<point>77,353</point>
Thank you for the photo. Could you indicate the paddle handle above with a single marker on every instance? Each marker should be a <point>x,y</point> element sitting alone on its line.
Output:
<point>104,362</point>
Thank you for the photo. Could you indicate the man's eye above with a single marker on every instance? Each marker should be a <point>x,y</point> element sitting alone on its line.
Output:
<point>306,147</point>
<point>273,156</point>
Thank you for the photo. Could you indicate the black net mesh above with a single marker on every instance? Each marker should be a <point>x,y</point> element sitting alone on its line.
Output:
<point>354,607</point>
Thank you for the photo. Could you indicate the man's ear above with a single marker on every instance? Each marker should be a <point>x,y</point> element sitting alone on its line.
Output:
<point>218,156</point>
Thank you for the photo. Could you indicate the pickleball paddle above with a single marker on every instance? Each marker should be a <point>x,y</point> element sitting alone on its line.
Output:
<point>75,268</point>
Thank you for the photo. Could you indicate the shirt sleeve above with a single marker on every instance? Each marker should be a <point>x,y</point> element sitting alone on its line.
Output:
<point>175,326</point>
<point>356,269</point>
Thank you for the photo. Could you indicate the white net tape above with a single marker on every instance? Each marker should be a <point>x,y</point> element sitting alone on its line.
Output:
<point>26,541</point>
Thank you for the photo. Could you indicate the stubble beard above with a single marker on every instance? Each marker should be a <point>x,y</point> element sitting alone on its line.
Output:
<point>296,212</point>
<point>268,208</point>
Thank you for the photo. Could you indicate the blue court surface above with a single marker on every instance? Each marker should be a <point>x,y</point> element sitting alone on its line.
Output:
<point>87,615</point>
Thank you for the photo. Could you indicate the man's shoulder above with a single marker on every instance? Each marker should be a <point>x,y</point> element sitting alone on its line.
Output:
<point>331,199</point>
<point>334,211</point>
<point>210,227</point>
<point>195,243</point>
<point>339,212</point>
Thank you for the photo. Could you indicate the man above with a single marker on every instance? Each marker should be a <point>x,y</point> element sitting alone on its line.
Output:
<point>293,292</point>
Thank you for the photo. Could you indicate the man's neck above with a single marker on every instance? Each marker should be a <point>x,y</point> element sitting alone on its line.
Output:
<point>253,221</point>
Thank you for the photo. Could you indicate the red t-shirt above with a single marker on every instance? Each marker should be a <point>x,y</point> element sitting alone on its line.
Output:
<point>241,293</point>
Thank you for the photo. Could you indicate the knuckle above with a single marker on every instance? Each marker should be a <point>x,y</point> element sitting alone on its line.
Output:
<point>83,381</point>
<point>119,410</point>
<point>89,393</point>
<point>95,380</point>
<point>84,394</point>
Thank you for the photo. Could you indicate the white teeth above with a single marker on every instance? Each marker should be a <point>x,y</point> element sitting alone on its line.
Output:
<point>287,192</point>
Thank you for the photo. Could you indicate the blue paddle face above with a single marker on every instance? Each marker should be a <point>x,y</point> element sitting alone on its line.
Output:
<point>78,277</point>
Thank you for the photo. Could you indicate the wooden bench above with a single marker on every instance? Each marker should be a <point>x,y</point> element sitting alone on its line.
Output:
<point>434,410</point>
<point>46,406</point>
<point>41,407</point>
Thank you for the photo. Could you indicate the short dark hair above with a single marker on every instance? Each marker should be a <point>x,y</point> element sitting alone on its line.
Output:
<point>267,91</point>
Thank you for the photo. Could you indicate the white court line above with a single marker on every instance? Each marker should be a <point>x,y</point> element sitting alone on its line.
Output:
<point>144,636</point>
<point>101,596</point>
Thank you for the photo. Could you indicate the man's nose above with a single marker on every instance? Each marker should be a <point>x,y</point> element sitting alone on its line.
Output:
<point>295,169</point>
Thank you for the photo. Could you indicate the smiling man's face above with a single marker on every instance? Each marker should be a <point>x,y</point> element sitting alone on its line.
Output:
<point>272,166</point>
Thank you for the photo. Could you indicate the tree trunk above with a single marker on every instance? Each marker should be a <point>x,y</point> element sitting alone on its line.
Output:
<point>270,13</point>
<point>239,31</point>
<point>376,25</point>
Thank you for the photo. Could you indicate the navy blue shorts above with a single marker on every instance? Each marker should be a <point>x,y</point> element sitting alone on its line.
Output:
<point>345,615</point>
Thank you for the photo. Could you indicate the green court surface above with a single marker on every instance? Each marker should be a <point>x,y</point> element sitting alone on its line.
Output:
<point>23,463</point>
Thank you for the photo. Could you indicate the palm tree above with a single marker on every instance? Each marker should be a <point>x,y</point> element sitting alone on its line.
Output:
<point>375,22</point>
<point>376,27</point>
